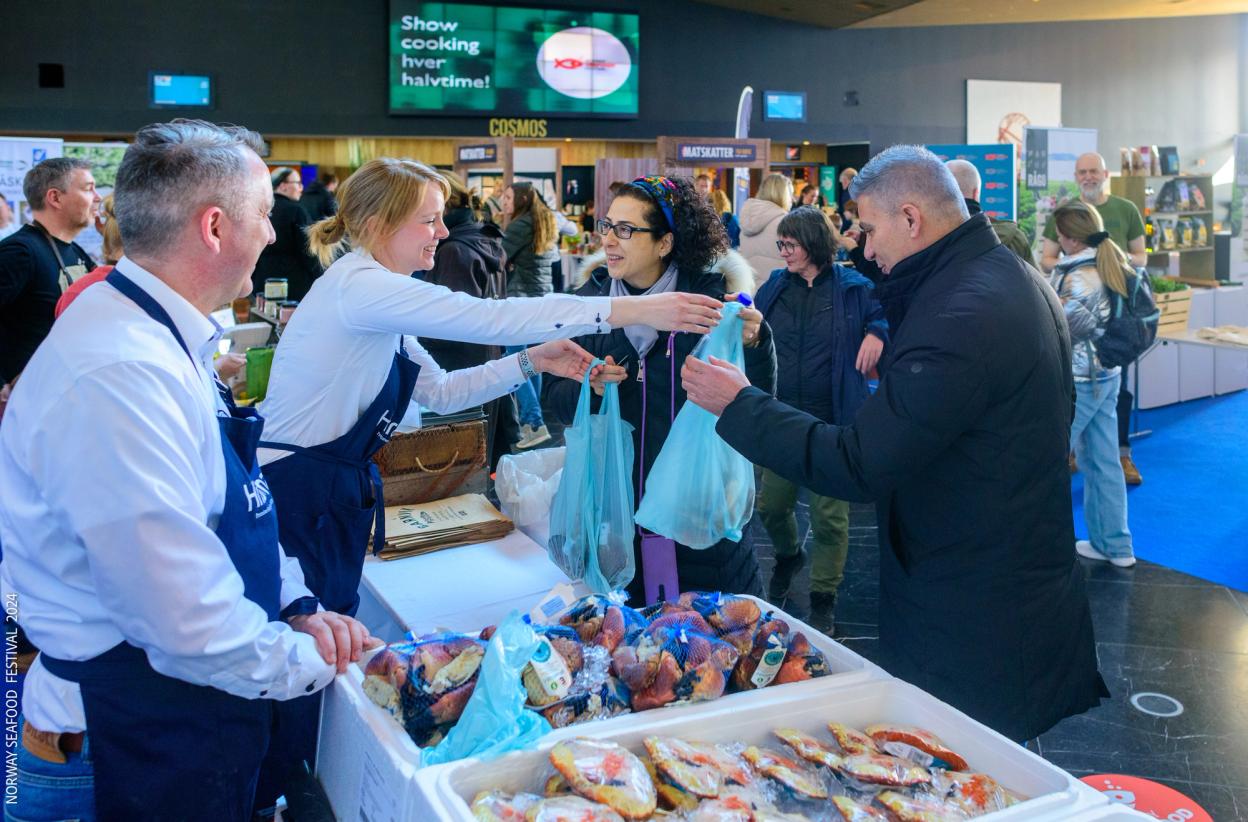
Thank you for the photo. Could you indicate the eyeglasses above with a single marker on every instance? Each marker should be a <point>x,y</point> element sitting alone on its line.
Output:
<point>785,246</point>
<point>621,230</point>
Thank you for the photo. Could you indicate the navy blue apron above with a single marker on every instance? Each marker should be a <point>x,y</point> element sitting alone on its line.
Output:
<point>328,499</point>
<point>164,748</point>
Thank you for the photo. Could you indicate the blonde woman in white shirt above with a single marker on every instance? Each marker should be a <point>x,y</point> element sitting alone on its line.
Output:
<point>349,368</point>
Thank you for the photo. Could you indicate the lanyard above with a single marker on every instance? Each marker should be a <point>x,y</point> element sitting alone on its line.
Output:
<point>641,461</point>
<point>47,235</point>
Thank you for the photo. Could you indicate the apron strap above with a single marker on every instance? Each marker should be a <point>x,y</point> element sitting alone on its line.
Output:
<point>158,313</point>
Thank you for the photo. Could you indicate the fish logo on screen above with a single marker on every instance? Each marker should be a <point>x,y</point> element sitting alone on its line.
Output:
<point>584,62</point>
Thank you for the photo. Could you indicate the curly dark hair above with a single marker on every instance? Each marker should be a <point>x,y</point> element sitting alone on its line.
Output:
<point>700,236</point>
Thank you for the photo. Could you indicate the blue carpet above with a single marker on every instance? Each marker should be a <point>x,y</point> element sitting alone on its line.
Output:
<point>1191,513</point>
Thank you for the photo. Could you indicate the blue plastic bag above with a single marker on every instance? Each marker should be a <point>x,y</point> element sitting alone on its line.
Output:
<point>591,517</point>
<point>700,490</point>
<point>495,720</point>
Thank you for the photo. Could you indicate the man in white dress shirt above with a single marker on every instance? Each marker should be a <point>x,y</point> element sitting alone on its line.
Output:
<point>139,538</point>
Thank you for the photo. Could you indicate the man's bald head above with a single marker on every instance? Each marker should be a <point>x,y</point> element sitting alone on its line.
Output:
<point>1090,159</point>
<point>967,176</point>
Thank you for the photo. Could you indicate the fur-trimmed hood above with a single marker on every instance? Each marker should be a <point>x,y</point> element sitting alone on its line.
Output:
<point>738,275</point>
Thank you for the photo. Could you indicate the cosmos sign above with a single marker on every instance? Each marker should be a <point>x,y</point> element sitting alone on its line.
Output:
<point>459,58</point>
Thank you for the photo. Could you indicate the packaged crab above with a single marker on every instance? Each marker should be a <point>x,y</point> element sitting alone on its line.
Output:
<point>881,750</point>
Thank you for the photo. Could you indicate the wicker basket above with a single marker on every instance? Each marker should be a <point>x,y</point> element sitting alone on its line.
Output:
<point>434,463</point>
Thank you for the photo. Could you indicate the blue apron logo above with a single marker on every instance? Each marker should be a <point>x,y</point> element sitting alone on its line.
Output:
<point>259,500</point>
<point>385,428</point>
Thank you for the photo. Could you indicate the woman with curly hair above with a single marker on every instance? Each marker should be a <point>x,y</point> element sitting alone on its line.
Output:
<point>659,236</point>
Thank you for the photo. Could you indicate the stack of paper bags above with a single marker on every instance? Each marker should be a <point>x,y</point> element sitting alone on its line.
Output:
<point>412,530</point>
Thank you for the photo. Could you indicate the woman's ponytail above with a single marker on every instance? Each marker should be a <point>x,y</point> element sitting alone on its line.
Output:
<point>326,238</point>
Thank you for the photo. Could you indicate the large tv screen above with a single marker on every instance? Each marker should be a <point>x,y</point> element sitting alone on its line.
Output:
<point>457,58</point>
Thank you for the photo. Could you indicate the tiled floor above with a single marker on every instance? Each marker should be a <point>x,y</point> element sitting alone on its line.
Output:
<point>1158,631</point>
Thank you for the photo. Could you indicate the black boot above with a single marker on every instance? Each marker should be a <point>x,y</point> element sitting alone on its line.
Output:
<point>823,612</point>
<point>782,577</point>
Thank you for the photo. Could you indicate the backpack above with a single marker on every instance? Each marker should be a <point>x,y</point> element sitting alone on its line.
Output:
<point>1132,324</point>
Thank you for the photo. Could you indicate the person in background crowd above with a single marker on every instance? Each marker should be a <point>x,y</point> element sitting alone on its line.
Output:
<point>963,451</point>
<point>703,184</point>
<point>106,223</point>
<point>531,243</point>
<point>845,178</point>
<point>1126,228</point>
<point>169,622</point>
<point>587,218</point>
<point>723,207</point>
<point>829,333</point>
<point>1094,266</point>
<point>808,197</point>
<point>226,365</point>
<point>8,219</point>
<point>661,236</point>
<point>349,371</point>
<point>318,198</point>
<point>493,205</point>
<point>760,215</point>
<point>288,257</point>
<point>1008,232</point>
<point>471,260</point>
<point>849,216</point>
<point>40,261</point>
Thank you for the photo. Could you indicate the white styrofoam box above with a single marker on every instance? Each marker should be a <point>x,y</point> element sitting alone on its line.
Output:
<point>1159,375</point>
<point>1195,371</point>
<point>1053,793</point>
<point>1201,312</point>
<point>1230,305</point>
<point>367,763</point>
<point>1230,371</point>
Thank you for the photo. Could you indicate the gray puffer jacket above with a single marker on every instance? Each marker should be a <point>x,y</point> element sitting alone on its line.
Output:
<point>1086,302</point>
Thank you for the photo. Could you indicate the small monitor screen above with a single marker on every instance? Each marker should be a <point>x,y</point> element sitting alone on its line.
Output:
<point>784,105</point>
<point>181,90</point>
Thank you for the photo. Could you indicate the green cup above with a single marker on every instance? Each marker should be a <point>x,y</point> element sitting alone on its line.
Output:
<point>259,363</point>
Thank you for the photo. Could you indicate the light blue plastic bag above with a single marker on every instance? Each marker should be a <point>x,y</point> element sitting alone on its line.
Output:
<point>495,720</point>
<point>591,517</point>
<point>700,490</point>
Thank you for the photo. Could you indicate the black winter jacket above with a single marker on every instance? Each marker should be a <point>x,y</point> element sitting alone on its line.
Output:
<point>726,566</point>
<point>963,449</point>
<point>288,256</point>
<point>470,260</point>
<point>318,201</point>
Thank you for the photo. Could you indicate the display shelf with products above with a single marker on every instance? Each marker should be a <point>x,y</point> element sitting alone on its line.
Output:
<point>1178,222</point>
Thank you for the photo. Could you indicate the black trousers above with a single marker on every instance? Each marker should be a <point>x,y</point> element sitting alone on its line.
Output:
<point>1125,402</point>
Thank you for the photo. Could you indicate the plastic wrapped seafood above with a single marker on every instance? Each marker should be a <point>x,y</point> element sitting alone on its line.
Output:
<point>607,773</point>
<point>425,684</point>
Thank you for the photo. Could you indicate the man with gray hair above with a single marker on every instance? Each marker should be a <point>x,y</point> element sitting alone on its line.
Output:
<point>40,260</point>
<point>139,533</point>
<point>1008,232</point>
<point>963,451</point>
